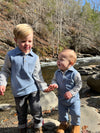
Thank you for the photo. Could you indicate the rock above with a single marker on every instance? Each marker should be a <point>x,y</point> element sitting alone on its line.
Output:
<point>4,107</point>
<point>48,101</point>
<point>89,70</point>
<point>50,124</point>
<point>93,82</point>
<point>86,72</point>
<point>90,49</point>
<point>90,118</point>
<point>80,55</point>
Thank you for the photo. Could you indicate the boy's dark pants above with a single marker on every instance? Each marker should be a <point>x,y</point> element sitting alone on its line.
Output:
<point>36,111</point>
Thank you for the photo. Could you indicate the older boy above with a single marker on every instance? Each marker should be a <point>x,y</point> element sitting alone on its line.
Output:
<point>26,78</point>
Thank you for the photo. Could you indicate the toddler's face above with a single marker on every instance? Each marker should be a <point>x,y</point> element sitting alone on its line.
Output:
<point>63,63</point>
<point>25,44</point>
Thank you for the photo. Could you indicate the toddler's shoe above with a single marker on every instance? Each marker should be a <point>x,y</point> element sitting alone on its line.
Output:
<point>62,127</point>
<point>75,129</point>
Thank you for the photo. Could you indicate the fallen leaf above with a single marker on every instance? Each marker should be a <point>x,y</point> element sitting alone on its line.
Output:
<point>15,114</point>
<point>84,129</point>
<point>16,122</point>
<point>5,120</point>
<point>46,112</point>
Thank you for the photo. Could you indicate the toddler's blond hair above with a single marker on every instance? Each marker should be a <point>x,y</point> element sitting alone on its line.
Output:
<point>22,30</point>
<point>71,55</point>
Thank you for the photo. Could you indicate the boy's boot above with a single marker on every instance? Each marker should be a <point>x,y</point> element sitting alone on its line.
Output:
<point>75,129</point>
<point>38,130</point>
<point>22,130</point>
<point>62,127</point>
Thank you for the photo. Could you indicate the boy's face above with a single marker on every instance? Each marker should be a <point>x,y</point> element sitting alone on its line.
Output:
<point>25,44</point>
<point>63,63</point>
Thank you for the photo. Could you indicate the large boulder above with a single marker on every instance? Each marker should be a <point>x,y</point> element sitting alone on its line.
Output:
<point>48,101</point>
<point>90,49</point>
<point>93,82</point>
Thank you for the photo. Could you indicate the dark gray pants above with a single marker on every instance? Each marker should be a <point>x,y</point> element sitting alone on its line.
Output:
<point>35,108</point>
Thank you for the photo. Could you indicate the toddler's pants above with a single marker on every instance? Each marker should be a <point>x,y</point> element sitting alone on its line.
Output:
<point>69,108</point>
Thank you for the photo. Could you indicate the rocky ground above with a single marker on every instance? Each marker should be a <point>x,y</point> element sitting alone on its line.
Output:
<point>90,116</point>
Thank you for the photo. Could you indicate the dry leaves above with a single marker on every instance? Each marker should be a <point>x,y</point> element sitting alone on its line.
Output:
<point>84,129</point>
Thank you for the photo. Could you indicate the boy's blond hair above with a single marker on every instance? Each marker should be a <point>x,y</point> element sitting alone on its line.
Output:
<point>71,55</point>
<point>22,30</point>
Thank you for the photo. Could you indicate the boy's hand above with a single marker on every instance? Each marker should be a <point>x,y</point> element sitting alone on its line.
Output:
<point>51,87</point>
<point>68,95</point>
<point>47,90</point>
<point>2,89</point>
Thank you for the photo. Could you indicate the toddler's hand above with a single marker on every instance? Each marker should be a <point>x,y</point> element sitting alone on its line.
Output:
<point>51,87</point>
<point>68,95</point>
<point>2,89</point>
